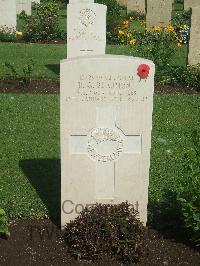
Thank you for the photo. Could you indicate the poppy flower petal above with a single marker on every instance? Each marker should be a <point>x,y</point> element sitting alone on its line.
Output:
<point>143,71</point>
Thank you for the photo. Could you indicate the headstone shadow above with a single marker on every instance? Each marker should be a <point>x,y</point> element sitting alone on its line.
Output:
<point>44,175</point>
<point>165,217</point>
<point>54,68</point>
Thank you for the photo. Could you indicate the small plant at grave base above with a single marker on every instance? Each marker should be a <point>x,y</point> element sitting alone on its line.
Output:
<point>7,34</point>
<point>43,25</point>
<point>24,78</point>
<point>4,231</point>
<point>101,229</point>
<point>188,194</point>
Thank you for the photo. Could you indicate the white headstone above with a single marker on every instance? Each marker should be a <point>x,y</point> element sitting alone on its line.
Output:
<point>194,43</point>
<point>190,4</point>
<point>158,12</point>
<point>106,121</point>
<point>136,5</point>
<point>24,5</point>
<point>8,15</point>
<point>86,29</point>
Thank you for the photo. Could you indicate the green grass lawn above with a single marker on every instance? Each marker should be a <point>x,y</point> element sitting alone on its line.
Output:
<point>47,57</point>
<point>29,141</point>
<point>29,131</point>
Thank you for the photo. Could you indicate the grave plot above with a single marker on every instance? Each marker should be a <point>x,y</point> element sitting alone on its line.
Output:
<point>106,110</point>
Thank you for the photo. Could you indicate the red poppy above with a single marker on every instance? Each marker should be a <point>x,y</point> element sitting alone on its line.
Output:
<point>143,71</point>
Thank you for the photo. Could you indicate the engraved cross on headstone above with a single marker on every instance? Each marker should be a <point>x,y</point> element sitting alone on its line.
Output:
<point>105,144</point>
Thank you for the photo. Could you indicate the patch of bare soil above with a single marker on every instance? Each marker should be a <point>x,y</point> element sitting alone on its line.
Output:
<point>39,242</point>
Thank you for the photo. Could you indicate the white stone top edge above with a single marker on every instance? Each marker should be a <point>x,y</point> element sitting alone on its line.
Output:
<point>86,4</point>
<point>195,7</point>
<point>82,58</point>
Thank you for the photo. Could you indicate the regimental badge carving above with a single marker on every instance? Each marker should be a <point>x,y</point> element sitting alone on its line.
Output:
<point>87,17</point>
<point>104,144</point>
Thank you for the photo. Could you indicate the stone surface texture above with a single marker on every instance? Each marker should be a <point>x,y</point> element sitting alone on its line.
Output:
<point>136,5</point>
<point>194,43</point>
<point>158,12</point>
<point>24,5</point>
<point>190,4</point>
<point>86,29</point>
<point>122,2</point>
<point>8,15</point>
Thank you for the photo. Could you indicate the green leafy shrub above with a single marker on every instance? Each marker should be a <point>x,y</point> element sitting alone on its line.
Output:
<point>113,7</point>
<point>4,231</point>
<point>22,15</point>
<point>188,194</point>
<point>24,78</point>
<point>188,76</point>
<point>181,18</point>
<point>7,34</point>
<point>112,230</point>
<point>157,46</point>
<point>114,16</point>
<point>43,25</point>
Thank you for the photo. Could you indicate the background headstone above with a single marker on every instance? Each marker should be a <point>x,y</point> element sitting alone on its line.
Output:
<point>136,5</point>
<point>158,12</point>
<point>24,5</point>
<point>191,3</point>
<point>8,15</point>
<point>122,2</point>
<point>106,121</point>
<point>86,29</point>
<point>194,43</point>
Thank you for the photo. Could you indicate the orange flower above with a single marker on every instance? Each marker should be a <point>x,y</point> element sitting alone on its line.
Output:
<point>169,28</point>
